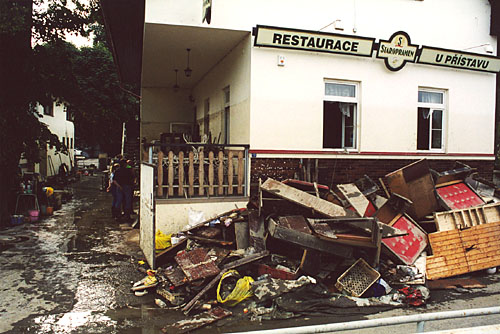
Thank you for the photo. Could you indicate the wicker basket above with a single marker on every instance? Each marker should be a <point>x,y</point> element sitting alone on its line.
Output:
<point>357,279</point>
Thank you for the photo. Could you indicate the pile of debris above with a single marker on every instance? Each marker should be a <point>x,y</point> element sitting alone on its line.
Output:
<point>301,248</point>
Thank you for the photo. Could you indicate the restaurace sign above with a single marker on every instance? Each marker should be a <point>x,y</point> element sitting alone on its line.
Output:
<point>396,52</point>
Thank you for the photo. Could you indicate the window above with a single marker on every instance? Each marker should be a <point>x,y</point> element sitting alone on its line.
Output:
<point>430,120</point>
<point>48,109</point>
<point>340,115</point>
<point>226,118</point>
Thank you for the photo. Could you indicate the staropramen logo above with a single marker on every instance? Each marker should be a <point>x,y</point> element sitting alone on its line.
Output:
<point>397,51</point>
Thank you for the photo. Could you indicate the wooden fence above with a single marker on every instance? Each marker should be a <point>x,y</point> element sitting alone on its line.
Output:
<point>186,171</point>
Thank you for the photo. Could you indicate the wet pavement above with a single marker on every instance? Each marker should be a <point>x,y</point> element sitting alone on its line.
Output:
<point>64,272</point>
<point>72,273</point>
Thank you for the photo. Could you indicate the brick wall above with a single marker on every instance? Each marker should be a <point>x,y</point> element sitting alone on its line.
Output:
<point>334,171</point>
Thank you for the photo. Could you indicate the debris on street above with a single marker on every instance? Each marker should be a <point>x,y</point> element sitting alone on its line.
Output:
<point>302,248</point>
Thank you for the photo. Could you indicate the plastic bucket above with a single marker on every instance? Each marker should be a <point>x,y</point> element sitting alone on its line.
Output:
<point>50,210</point>
<point>33,215</point>
<point>43,210</point>
<point>17,219</point>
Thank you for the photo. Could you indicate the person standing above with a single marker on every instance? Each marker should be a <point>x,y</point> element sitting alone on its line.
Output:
<point>112,188</point>
<point>124,180</point>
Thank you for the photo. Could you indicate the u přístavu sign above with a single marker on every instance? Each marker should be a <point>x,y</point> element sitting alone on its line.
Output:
<point>458,59</point>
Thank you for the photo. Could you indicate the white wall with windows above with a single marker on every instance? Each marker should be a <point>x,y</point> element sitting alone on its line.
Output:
<point>60,123</point>
<point>288,104</point>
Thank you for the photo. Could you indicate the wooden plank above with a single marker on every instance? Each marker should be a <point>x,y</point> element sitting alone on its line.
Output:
<point>355,197</point>
<point>257,231</point>
<point>170,173</point>
<point>160,174</point>
<point>180,174</point>
<point>304,199</point>
<point>191,174</point>
<point>211,173</point>
<point>230,172</point>
<point>276,230</point>
<point>241,172</point>
<point>196,264</point>
<point>201,173</point>
<point>220,178</point>
<point>414,182</point>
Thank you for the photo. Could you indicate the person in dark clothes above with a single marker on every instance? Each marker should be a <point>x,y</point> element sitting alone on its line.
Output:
<point>112,188</point>
<point>124,181</point>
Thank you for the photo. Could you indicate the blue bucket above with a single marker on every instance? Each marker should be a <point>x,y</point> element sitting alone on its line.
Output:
<point>17,219</point>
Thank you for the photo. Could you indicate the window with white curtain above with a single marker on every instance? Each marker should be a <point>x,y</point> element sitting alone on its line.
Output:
<point>431,113</point>
<point>340,106</point>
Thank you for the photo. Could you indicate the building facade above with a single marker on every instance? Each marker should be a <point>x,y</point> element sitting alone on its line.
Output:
<point>60,123</point>
<point>322,90</point>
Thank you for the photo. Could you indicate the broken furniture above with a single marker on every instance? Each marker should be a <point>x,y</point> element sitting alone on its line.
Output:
<point>457,252</point>
<point>415,183</point>
<point>465,218</point>
<point>405,248</point>
<point>452,190</point>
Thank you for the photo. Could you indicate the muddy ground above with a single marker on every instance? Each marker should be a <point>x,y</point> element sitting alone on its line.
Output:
<point>72,273</point>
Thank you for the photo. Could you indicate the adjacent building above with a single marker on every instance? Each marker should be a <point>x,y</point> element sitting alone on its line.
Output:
<point>60,123</point>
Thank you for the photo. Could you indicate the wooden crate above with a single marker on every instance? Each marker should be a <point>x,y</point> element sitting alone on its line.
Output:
<point>465,218</point>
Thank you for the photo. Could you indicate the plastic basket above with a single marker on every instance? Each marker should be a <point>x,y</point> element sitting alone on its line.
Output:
<point>357,279</point>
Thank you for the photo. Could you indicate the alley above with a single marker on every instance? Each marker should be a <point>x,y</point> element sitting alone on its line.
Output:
<point>63,273</point>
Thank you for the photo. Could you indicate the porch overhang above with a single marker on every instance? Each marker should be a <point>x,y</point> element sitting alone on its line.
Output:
<point>165,50</point>
<point>124,23</point>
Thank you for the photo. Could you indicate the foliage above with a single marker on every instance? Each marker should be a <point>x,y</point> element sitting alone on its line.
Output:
<point>36,65</point>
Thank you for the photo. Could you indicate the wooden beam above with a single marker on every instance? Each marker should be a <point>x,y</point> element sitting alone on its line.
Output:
<point>304,199</point>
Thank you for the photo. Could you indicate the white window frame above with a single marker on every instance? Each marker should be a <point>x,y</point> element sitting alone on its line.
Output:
<point>433,107</point>
<point>345,99</point>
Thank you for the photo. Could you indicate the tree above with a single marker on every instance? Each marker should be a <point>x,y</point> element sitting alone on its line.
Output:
<point>52,69</point>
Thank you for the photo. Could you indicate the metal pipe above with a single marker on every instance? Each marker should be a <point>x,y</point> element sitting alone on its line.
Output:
<point>381,322</point>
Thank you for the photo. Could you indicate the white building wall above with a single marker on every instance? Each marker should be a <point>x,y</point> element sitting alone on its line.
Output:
<point>454,24</point>
<point>62,128</point>
<point>162,106</point>
<point>233,72</point>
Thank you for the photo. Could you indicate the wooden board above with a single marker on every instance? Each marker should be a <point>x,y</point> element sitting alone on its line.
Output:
<point>460,219</point>
<point>196,264</point>
<point>356,198</point>
<point>459,252</point>
<point>307,240</point>
<point>415,183</point>
<point>304,199</point>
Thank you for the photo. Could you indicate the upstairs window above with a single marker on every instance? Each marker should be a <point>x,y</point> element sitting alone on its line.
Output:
<point>431,113</point>
<point>340,106</point>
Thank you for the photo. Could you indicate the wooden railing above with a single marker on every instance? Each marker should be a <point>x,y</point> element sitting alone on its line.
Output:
<point>200,170</point>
